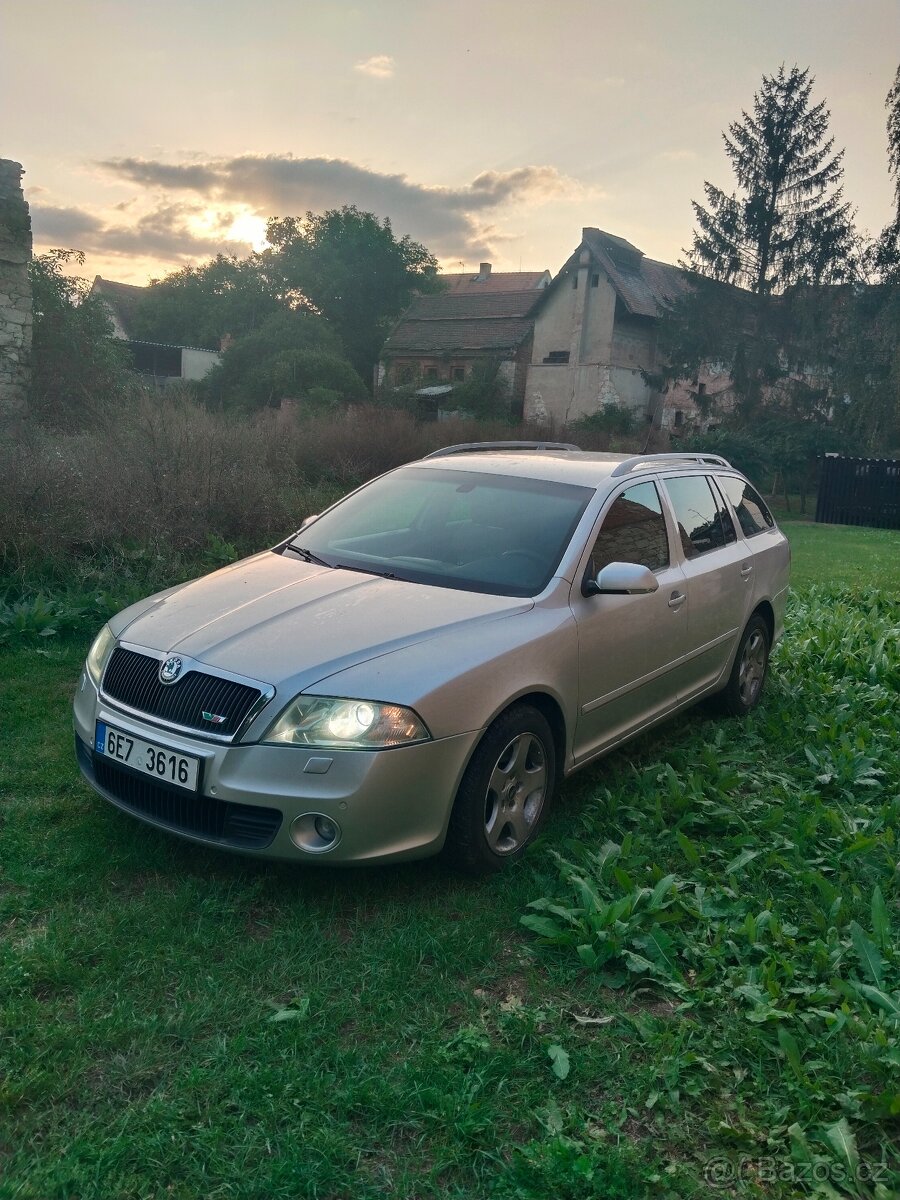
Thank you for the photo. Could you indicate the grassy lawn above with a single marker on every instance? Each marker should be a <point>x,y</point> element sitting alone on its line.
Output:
<point>843,555</point>
<point>690,988</point>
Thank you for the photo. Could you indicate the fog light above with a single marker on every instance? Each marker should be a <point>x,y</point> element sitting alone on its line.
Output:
<point>315,833</point>
<point>325,828</point>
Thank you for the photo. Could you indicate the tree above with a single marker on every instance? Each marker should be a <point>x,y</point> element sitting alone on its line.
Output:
<point>294,356</point>
<point>77,369</point>
<point>198,306</point>
<point>348,266</point>
<point>886,256</point>
<point>766,258</point>
<point>788,222</point>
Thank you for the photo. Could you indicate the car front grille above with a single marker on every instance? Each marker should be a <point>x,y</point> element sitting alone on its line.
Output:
<point>243,826</point>
<point>133,679</point>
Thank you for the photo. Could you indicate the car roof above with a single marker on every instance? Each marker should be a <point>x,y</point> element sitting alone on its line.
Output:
<point>587,468</point>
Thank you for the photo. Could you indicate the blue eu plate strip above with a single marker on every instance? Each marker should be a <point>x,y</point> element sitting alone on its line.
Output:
<point>100,737</point>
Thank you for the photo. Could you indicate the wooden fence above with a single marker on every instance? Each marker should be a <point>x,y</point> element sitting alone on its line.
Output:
<point>859,491</point>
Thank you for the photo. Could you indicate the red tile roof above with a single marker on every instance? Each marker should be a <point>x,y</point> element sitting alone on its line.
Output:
<point>496,281</point>
<point>464,321</point>
<point>457,336</point>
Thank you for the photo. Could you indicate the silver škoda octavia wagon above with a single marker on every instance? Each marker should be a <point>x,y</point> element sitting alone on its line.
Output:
<point>420,665</point>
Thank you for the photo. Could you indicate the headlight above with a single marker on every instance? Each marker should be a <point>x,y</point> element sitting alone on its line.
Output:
<point>330,723</point>
<point>99,653</point>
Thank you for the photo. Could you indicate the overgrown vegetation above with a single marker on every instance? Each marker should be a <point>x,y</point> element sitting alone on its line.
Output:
<point>143,492</point>
<point>78,372</point>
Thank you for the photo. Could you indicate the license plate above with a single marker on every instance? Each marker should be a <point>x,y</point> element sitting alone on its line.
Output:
<point>164,765</point>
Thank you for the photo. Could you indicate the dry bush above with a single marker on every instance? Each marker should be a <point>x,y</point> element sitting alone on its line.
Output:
<point>162,474</point>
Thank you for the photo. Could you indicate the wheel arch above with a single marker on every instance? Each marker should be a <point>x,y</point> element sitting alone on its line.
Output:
<point>551,710</point>
<point>765,610</point>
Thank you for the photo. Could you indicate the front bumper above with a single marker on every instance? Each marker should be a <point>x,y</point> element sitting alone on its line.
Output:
<point>390,805</point>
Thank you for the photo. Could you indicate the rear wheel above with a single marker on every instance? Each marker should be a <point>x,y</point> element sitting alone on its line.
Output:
<point>745,684</point>
<point>504,794</point>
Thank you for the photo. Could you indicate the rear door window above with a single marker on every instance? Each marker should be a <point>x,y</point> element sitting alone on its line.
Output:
<point>752,513</point>
<point>700,515</point>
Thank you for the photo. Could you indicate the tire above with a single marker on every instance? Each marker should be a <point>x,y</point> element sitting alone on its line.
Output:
<point>504,794</point>
<point>748,675</point>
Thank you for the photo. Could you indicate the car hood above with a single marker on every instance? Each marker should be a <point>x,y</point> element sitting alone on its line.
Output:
<point>280,620</point>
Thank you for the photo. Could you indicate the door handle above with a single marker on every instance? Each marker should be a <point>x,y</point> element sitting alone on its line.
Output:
<point>746,570</point>
<point>676,600</point>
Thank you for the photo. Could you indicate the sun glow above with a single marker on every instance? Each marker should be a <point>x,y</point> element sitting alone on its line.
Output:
<point>230,225</point>
<point>248,227</point>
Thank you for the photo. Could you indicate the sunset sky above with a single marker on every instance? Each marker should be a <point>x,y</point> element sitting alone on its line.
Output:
<point>156,134</point>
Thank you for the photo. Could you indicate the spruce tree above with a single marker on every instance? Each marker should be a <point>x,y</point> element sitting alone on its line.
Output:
<point>887,248</point>
<point>786,222</point>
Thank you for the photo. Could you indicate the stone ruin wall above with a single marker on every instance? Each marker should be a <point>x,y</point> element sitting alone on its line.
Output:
<point>15,291</point>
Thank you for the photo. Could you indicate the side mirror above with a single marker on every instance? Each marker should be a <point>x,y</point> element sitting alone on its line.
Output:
<point>621,578</point>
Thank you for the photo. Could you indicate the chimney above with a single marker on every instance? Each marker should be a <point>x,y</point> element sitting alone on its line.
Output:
<point>484,270</point>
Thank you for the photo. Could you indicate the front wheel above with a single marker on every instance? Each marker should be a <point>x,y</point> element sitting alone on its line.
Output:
<point>504,794</point>
<point>745,684</point>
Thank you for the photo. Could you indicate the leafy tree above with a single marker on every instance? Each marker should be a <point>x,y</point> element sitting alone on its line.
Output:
<point>485,395</point>
<point>77,368</point>
<point>348,266</point>
<point>788,222</point>
<point>198,306</point>
<point>292,356</point>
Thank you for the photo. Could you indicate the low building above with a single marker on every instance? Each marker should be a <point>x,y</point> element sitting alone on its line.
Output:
<point>159,361</point>
<point>476,319</point>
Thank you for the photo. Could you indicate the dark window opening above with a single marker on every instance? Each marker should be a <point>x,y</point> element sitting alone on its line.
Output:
<point>595,281</point>
<point>557,356</point>
<point>458,373</point>
<point>701,389</point>
<point>575,280</point>
<point>679,417</point>
<point>431,372</point>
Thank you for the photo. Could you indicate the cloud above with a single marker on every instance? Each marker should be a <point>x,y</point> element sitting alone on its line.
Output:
<point>451,221</point>
<point>379,66</point>
<point>163,232</point>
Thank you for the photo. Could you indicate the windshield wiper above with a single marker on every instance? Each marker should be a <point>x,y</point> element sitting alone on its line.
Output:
<point>366,571</point>
<point>308,555</point>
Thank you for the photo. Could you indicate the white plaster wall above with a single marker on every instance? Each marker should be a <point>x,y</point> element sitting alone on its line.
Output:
<point>197,363</point>
<point>553,327</point>
<point>599,315</point>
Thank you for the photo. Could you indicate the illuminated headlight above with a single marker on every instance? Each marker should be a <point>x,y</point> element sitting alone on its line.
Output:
<point>99,653</point>
<point>331,723</point>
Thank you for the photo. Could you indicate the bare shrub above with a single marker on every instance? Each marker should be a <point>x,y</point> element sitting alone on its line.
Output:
<point>161,474</point>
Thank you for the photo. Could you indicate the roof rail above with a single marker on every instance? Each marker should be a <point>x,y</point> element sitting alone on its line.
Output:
<point>648,461</point>
<point>468,447</point>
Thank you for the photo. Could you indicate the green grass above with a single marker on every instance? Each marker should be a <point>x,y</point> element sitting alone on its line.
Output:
<point>842,555</point>
<point>180,1023</point>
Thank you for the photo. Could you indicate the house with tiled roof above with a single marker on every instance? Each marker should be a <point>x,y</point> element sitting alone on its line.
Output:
<point>595,334</point>
<point>488,317</point>
<point>161,362</point>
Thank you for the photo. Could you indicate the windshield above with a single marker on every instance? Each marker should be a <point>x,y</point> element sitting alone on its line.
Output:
<point>463,529</point>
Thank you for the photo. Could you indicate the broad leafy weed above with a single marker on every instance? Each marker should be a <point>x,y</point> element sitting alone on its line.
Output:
<point>752,873</point>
